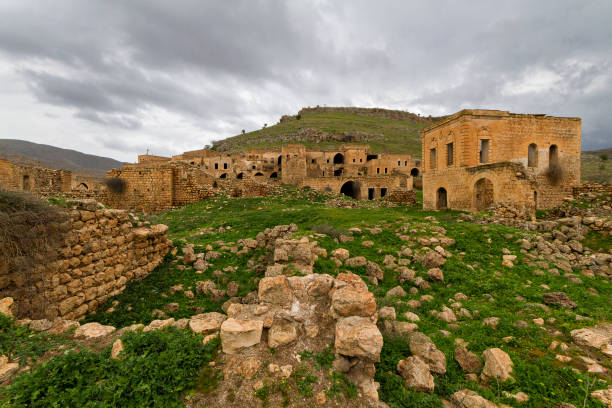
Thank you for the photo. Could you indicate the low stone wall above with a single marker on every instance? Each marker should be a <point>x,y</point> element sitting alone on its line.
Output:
<point>403,196</point>
<point>98,253</point>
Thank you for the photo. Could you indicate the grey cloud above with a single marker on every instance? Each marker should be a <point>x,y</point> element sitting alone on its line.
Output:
<point>205,70</point>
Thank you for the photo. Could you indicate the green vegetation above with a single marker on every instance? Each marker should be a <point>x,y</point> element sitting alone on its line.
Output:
<point>153,370</point>
<point>19,343</point>
<point>387,135</point>
<point>159,366</point>
<point>596,166</point>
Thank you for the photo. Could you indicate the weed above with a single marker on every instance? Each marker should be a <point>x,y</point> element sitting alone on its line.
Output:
<point>303,380</point>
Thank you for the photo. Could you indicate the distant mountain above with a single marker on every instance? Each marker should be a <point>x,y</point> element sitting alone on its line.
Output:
<point>35,154</point>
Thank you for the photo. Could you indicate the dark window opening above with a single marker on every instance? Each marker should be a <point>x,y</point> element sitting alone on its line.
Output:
<point>484,151</point>
<point>532,155</point>
<point>351,189</point>
<point>240,176</point>
<point>553,155</point>
<point>378,170</point>
<point>274,175</point>
<point>414,172</point>
<point>383,192</point>
<point>338,172</point>
<point>371,157</point>
<point>338,158</point>
<point>385,170</point>
<point>450,154</point>
<point>432,157</point>
<point>370,193</point>
<point>216,166</point>
<point>441,202</point>
<point>224,175</point>
<point>258,174</point>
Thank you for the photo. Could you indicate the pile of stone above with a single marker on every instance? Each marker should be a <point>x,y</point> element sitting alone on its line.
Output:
<point>294,312</point>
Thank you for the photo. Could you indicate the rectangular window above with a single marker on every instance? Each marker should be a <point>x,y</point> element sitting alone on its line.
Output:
<point>370,193</point>
<point>353,160</point>
<point>484,151</point>
<point>385,170</point>
<point>405,162</point>
<point>450,154</point>
<point>378,170</point>
<point>225,165</point>
<point>432,159</point>
<point>399,163</point>
<point>383,192</point>
<point>313,161</point>
<point>216,166</point>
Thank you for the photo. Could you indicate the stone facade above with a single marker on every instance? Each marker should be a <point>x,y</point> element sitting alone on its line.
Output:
<point>158,184</point>
<point>100,251</point>
<point>14,177</point>
<point>475,158</point>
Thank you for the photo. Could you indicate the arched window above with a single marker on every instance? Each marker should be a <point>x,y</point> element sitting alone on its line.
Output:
<point>338,158</point>
<point>532,155</point>
<point>553,155</point>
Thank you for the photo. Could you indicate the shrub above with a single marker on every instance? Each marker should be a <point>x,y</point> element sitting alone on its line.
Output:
<point>115,185</point>
<point>30,233</point>
<point>554,173</point>
<point>156,367</point>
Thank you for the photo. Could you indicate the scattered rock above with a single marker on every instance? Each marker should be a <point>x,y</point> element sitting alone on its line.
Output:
<point>7,306</point>
<point>435,275</point>
<point>93,330</point>
<point>558,299</point>
<point>358,337</point>
<point>422,346</point>
<point>416,374</point>
<point>497,364</point>
<point>396,291</point>
<point>467,360</point>
<point>240,334</point>
<point>470,399</point>
<point>117,349</point>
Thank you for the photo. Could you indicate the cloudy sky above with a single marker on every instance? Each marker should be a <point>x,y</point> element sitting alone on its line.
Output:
<point>117,77</point>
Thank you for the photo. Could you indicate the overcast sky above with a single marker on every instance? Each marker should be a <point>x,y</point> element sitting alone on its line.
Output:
<point>117,77</point>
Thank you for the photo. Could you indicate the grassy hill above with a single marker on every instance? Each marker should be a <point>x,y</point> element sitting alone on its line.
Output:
<point>594,168</point>
<point>35,154</point>
<point>326,128</point>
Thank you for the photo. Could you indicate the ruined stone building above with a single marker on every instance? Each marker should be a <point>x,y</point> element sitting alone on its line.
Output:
<point>14,177</point>
<point>475,158</point>
<point>158,183</point>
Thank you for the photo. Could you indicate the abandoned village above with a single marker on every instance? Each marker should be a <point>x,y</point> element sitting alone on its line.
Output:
<point>314,307</point>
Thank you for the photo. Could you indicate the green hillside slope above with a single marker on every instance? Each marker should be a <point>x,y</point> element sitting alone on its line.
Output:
<point>326,128</point>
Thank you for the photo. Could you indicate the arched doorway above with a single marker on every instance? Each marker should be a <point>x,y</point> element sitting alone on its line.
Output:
<point>414,172</point>
<point>224,175</point>
<point>483,194</point>
<point>351,189</point>
<point>338,158</point>
<point>274,175</point>
<point>280,160</point>
<point>441,202</point>
<point>240,176</point>
<point>258,174</point>
<point>82,187</point>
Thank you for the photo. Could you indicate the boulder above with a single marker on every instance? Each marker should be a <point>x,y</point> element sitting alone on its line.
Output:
<point>7,369</point>
<point>468,361</point>
<point>340,253</point>
<point>93,330</point>
<point>596,337</point>
<point>116,349</point>
<point>387,313</point>
<point>347,301</point>
<point>396,291</point>
<point>497,364</point>
<point>358,337</point>
<point>422,346</point>
<point>275,290</point>
<point>433,259</point>
<point>206,323</point>
<point>605,396</point>
<point>200,265</point>
<point>558,299</point>
<point>41,325</point>
<point>159,324</point>
<point>435,275</point>
<point>356,261</point>
<point>282,332</point>
<point>466,398</point>
<point>416,374</point>
<point>7,306</point>
<point>374,270</point>
<point>240,334</point>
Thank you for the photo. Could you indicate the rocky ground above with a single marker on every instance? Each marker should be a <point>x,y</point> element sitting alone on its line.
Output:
<point>300,300</point>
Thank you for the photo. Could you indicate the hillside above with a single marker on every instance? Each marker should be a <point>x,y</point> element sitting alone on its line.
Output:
<point>596,169</point>
<point>35,154</point>
<point>326,128</point>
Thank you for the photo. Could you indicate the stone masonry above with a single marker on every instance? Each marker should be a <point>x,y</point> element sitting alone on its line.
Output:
<point>100,251</point>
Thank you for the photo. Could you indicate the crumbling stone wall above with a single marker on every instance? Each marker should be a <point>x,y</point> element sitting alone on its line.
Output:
<point>14,177</point>
<point>147,189</point>
<point>100,251</point>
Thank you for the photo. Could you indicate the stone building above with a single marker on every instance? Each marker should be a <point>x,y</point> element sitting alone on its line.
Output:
<point>476,158</point>
<point>14,177</point>
<point>158,183</point>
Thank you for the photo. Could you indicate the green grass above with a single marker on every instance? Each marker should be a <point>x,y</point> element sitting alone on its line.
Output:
<point>474,269</point>
<point>21,344</point>
<point>155,368</point>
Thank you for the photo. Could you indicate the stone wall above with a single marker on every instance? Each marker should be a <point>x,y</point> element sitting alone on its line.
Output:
<point>147,189</point>
<point>14,177</point>
<point>98,253</point>
<point>459,149</point>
